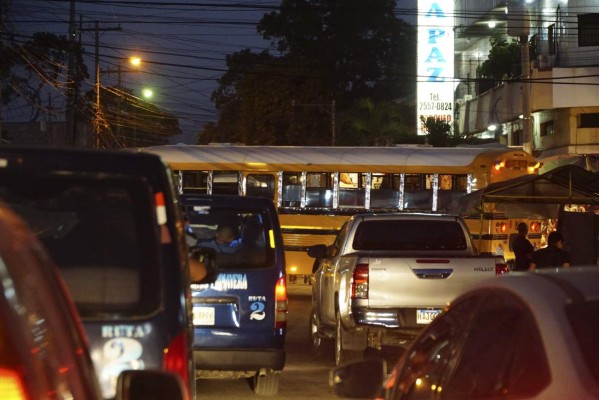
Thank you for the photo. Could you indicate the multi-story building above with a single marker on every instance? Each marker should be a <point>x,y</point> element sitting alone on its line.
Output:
<point>562,39</point>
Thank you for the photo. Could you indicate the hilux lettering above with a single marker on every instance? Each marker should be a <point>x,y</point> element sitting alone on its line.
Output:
<point>483,269</point>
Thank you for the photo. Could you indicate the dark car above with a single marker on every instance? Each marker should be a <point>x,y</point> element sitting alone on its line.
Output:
<point>240,320</point>
<point>520,336</point>
<point>43,349</point>
<point>111,221</point>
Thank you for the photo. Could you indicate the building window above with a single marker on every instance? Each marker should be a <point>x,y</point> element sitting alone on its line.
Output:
<point>518,137</point>
<point>589,120</point>
<point>588,30</point>
<point>547,128</point>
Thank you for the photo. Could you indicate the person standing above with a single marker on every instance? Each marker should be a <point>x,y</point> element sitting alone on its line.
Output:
<point>523,249</point>
<point>552,256</point>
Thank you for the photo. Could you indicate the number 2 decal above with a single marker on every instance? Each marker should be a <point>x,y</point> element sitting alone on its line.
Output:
<point>258,313</point>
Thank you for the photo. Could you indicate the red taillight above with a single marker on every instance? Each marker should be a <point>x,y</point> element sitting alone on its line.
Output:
<point>500,227</point>
<point>281,304</point>
<point>11,385</point>
<point>176,358</point>
<point>501,268</point>
<point>359,287</point>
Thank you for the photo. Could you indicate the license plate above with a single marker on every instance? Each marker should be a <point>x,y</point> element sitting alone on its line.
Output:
<point>203,315</point>
<point>425,316</point>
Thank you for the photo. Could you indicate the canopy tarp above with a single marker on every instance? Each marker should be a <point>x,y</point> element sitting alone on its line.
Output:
<point>533,196</point>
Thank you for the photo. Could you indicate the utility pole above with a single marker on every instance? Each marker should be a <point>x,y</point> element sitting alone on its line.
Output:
<point>98,113</point>
<point>526,115</point>
<point>70,115</point>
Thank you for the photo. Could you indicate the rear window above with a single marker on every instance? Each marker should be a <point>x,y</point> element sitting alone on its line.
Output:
<point>239,238</point>
<point>99,234</point>
<point>409,235</point>
<point>582,316</point>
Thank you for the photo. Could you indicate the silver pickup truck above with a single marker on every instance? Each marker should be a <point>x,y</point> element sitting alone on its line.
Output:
<point>388,275</point>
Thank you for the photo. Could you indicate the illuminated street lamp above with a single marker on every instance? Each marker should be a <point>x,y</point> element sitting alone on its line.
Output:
<point>147,93</point>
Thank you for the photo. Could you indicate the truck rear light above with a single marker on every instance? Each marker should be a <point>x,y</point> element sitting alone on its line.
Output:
<point>281,304</point>
<point>359,287</point>
<point>501,268</point>
<point>501,227</point>
<point>11,385</point>
<point>176,357</point>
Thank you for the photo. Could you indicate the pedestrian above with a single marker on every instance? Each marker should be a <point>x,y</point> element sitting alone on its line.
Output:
<point>552,256</point>
<point>223,240</point>
<point>523,249</point>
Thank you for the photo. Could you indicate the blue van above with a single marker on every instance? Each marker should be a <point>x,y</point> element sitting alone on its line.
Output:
<point>112,223</point>
<point>240,320</point>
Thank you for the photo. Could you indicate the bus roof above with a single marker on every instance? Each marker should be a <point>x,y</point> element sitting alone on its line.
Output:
<point>312,158</point>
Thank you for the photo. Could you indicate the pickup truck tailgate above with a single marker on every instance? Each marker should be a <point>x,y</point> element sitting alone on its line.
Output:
<point>423,282</point>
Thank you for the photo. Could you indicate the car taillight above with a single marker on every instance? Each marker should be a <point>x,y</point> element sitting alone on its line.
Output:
<point>359,287</point>
<point>500,227</point>
<point>11,385</point>
<point>281,304</point>
<point>176,357</point>
<point>501,268</point>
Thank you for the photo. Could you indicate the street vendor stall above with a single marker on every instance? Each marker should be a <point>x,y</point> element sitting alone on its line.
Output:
<point>569,193</point>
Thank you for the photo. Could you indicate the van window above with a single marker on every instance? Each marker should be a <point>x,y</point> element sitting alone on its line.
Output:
<point>96,232</point>
<point>238,238</point>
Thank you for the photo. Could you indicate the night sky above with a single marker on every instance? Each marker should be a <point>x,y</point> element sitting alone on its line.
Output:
<point>183,45</point>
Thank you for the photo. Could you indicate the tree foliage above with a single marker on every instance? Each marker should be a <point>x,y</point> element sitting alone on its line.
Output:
<point>383,124</point>
<point>503,57</point>
<point>440,134</point>
<point>324,50</point>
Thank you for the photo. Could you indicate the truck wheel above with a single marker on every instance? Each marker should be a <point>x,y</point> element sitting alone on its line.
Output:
<point>265,385</point>
<point>320,346</point>
<point>342,355</point>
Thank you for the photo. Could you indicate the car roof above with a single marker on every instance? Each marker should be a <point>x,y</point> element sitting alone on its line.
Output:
<point>35,304</point>
<point>79,160</point>
<point>559,285</point>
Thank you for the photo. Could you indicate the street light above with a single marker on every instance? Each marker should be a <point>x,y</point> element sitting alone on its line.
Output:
<point>147,93</point>
<point>326,107</point>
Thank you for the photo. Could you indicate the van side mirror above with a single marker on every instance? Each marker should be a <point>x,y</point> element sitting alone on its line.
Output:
<point>149,384</point>
<point>318,251</point>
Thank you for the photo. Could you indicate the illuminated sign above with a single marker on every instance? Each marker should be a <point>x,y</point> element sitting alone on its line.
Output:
<point>435,84</point>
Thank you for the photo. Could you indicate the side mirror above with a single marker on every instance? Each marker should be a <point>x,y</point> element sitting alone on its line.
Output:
<point>360,379</point>
<point>318,251</point>
<point>149,384</point>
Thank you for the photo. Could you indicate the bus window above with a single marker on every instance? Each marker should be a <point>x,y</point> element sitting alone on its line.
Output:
<point>260,185</point>
<point>384,190</point>
<point>319,192</point>
<point>351,189</point>
<point>418,192</point>
<point>451,188</point>
<point>225,182</point>
<point>195,181</point>
<point>292,189</point>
